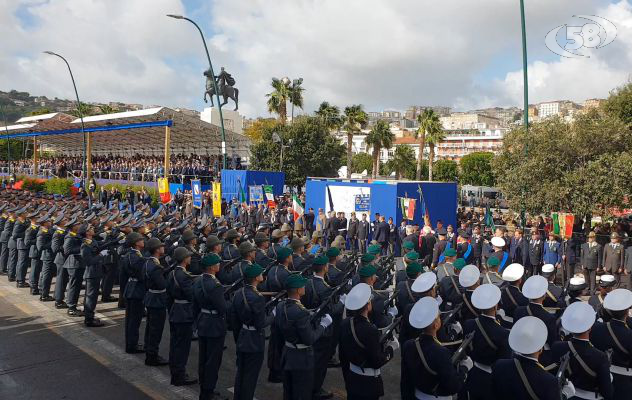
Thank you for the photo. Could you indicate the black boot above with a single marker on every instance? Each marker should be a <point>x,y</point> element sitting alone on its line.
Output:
<point>94,323</point>
<point>183,380</point>
<point>155,361</point>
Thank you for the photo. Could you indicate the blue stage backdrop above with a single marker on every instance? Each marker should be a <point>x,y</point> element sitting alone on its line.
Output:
<point>383,197</point>
<point>233,179</point>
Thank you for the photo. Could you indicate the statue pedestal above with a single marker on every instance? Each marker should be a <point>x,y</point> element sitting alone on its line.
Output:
<point>232,120</point>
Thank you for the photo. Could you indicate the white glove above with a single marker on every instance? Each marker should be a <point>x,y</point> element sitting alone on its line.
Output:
<point>350,282</point>
<point>467,363</point>
<point>175,244</point>
<point>501,312</point>
<point>392,311</point>
<point>393,344</point>
<point>439,300</point>
<point>104,252</point>
<point>274,312</point>
<point>456,327</point>
<point>326,320</point>
<point>343,297</point>
<point>568,390</point>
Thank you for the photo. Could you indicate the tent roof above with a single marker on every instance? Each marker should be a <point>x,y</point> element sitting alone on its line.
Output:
<point>131,132</point>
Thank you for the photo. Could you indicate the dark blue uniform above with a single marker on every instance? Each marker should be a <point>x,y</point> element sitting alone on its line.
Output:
<point>36,264</point>
<point>75,266</point>
<point>511,298</point>
<point>57,246</point>
<point>93,273</point>
<point>616,335</point>
<point>155,301</point>
<point>508,384</point>
<point>132,263</point>
<point>43,242</point>
<point>181,317</point>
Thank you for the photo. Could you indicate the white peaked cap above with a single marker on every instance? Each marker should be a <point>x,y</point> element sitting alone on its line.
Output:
<point>513,272</point>
<point>486,296</point>
<point>469,275</point>
<point>548,268</point>
<point>618,300</point>
<point>498,241</point>
<point>577,280</point>
<point>357,298</point>
<point>528,335</point>
<point>424,282</point>
<point>535,287</point>
<point>578,317</point>
<point>424,312</point>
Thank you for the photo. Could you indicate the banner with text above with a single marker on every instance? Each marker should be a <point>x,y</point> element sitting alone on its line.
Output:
<point>196,190</point>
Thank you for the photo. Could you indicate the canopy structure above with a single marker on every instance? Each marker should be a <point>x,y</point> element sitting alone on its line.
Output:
<point>152,131</point>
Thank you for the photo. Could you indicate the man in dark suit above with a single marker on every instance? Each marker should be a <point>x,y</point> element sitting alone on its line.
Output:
<point>570,255</point>
<point>328,230</point>
<point>536,248</point>
<point>439,247</point>
<point>342,225</point>
<point>427,243</point>
<point>363,233</point>
<point>591,256</point>
<point>477,246</point>
<point>382,234</point>
<point>392,237</point>
<point>309,221</point>
<point>613,257</point>
<point>517,248</point>
<point>352,232</point>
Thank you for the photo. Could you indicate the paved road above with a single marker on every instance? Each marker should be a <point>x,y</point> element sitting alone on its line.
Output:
<point>44,353</point>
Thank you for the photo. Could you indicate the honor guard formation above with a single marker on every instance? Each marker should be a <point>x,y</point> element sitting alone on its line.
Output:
<point>461,315</point>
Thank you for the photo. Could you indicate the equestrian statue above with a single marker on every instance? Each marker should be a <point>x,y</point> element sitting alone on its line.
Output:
<point>225,83</point>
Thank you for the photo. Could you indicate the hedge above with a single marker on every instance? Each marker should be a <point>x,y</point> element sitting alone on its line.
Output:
<point>58,186</point>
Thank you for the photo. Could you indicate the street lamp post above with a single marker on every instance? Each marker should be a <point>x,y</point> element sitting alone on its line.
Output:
<point>219,104</point>
<point>524,67</point>
<point>83,133</point>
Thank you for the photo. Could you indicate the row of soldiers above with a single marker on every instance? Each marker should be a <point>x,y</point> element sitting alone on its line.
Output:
<point>464,330</point>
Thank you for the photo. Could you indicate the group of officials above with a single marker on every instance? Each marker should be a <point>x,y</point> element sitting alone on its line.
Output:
<point>470,321</point>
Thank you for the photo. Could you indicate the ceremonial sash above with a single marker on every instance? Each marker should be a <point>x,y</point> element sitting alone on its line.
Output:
<point>442,256</point>
<point>503,261</point>
<point>468,252</point>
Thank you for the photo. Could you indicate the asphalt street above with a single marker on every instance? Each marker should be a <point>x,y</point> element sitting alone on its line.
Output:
<point>44,353</point>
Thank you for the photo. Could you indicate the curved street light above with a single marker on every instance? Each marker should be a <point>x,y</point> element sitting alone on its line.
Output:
<point>83,133</point>
<point>219,105</point>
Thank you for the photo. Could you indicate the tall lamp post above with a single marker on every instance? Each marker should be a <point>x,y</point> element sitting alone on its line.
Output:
<point>526,92</point>
<point>219,104</point>
<point>276,138</point>
<point>83,133</point>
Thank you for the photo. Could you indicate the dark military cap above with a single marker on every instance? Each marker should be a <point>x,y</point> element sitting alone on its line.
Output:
<point>261,237</point>
<point>181,253</point>
<point>188,235</point>
<point>245,248</point>
<point>153,244</point>
<point>133,237</point>
<point>212,240</point>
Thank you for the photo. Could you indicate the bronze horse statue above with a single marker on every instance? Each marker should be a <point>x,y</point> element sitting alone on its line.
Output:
<point>224,82</point>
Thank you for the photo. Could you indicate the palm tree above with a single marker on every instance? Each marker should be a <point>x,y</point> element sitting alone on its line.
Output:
<point>354,119</point>
<point>434,136</point>
<point>330,115</point>
<point>86,110</point>
<point>296,94</point>
<point>380,137</point>
<point>277,99</point>
<point>428,123</point>
<point>403,158</point>
<point>106,109</point>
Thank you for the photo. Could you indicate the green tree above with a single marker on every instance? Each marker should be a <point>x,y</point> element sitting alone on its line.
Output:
<point>476,169</point>
<point>403,163</point>
<point>257,130</point>
<point>446,171</point>
<point>107,109</point>
<point>40,111</point>
<point>380,137</point>
<point>580,167</point>
<point>354,119</point>
<point>619,103</point>
<point>86,110</point>
<point>361,162</point>
<point>434,136</point>
<point>429,124</point>
<point>313,152</point>
<point>330,115</point>
<point>295,90</point>
<point>277,99</point>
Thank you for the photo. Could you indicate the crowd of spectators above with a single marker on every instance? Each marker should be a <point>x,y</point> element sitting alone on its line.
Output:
<point>138,167</point>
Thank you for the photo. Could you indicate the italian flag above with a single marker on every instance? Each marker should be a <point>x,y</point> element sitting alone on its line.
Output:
<point>408,208</point>
<point>269,192</point>
<point>297,207</point>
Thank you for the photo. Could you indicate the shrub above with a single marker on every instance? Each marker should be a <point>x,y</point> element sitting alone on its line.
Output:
<point>58,186</point>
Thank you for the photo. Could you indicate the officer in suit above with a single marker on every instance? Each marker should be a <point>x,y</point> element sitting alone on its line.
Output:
<point>536,249</point>
<point>43,242</point>
<point>589,366</point>
<point>381,236</point>
<point>134,292</point>
<point>34,257</point>
<point>613,256</point>
<point>155,301</point>
<point>352,232</point>
<point>426,361</point>
<point>363,233</point>
<point>490,342</point>
<point>316,292</point>
<point>93,261</point>
<point>554,292</point>
<point>181,317</point>
<point>18,253</point>
<point>464,248</point>
<point>293,324</point>
<point>477,246</point>
<point>522,377</point>
<point>57,246</point>
<point>534,289</point>
<point>591,256</point>
<point>552,253</point>
<point>439,247</point>
<point>208,294</point>
<point>361,352</point>
<point>75,265</point>
<point>250,317</point>
<point>512,297</point>
<point>518,251</point>
<point>616,335</point>
<point>571,255</point>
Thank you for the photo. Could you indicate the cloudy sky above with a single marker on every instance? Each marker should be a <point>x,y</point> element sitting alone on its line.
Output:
<point>384,54</point>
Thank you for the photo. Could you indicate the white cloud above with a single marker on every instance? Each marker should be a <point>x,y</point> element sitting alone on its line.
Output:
<point>378,53</point>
